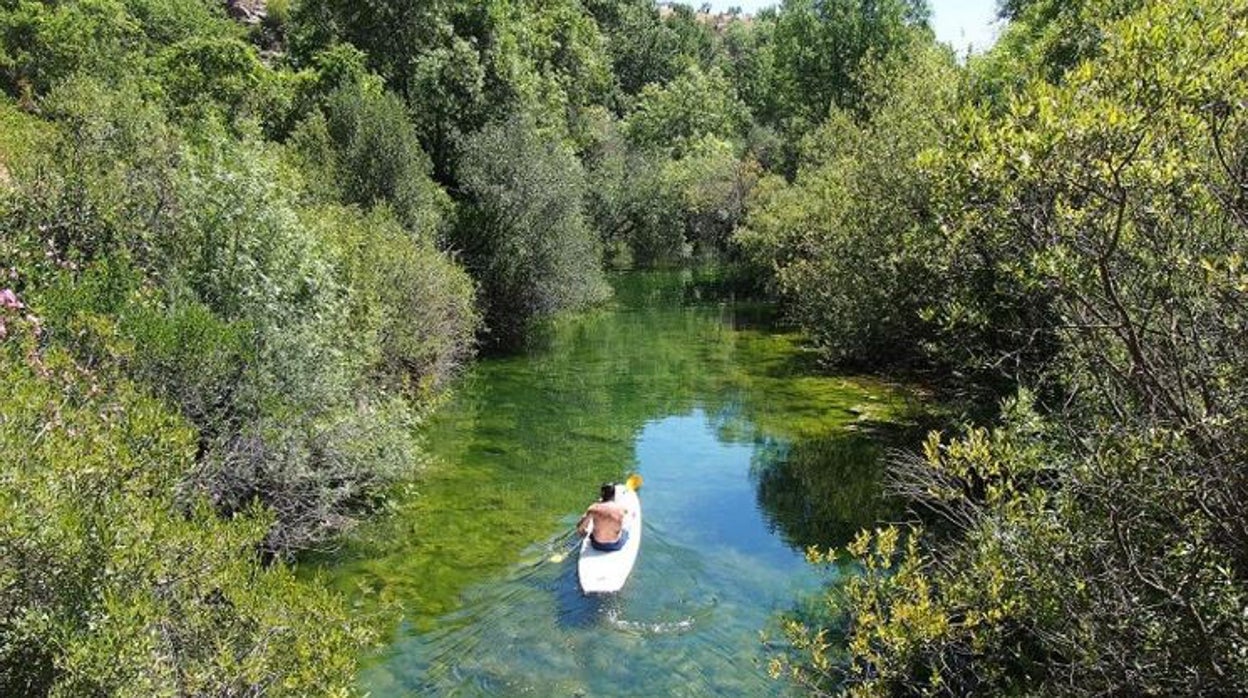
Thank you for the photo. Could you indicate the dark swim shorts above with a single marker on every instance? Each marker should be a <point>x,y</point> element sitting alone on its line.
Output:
<point>610,547</point>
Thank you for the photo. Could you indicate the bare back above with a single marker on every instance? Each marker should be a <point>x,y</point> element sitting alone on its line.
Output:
<point>608,518</point>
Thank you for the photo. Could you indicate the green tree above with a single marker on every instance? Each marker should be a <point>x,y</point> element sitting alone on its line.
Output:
<point>821,45</point>
<point>629,203</point>
<point>747,57</point>
<point>849,244</point>
<point>1100,544</point>
<point>713,184</point>
<point>695,104</point>
<point>461,65</point>
<point>524,234</point>
<point>1043,39</point>
<point>363,149</point>
<point>643,48</point>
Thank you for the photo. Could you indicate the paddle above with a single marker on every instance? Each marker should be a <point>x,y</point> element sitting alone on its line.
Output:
<point>633,483</point>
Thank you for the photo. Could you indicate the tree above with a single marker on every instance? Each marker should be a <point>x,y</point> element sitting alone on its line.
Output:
<point>1096,540</point>
<point>643,48</point>
<point>111,581</point>
<point>1044,38</point>
<point>524,234</point>
<point>747,58</point>
<point>821,45</point>
<point>848,245</point>
<point>460,65</point>
<point>367,147</point>
<point>636,215</point>
<point>713,184</point>
<point>694,105</point>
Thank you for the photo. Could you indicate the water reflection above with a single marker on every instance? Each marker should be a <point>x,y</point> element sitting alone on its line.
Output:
<point>747,457</point>
<point>820,491</point>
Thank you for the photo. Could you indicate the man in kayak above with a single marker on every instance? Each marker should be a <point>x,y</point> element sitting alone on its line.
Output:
<point>607,516</point>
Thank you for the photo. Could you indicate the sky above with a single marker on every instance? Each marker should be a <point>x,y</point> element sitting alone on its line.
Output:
<point>961,23</point>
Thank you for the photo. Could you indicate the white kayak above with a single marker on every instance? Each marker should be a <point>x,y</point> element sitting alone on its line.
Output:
<point>605,572</point>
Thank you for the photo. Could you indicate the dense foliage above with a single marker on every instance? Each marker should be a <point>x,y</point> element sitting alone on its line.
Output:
<point>113,581</point>
<point>250,255</point>
<point>524,233</point>
<point>1071,228</point>
<point>239,260</point>
<point>845,242</point>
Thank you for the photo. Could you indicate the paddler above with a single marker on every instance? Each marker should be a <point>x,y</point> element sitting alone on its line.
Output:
<point>607,516</point>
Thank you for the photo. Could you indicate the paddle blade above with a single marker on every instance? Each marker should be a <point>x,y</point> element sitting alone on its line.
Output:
<point>634,482</point>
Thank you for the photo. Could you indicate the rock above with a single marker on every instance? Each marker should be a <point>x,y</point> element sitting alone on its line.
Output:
<point>6,179</point>
<point>247,11</point>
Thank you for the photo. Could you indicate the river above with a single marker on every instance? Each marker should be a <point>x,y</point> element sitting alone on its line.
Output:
<point>748,454</point>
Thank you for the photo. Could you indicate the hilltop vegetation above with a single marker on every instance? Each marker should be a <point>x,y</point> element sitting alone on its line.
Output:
<point>240,260</point>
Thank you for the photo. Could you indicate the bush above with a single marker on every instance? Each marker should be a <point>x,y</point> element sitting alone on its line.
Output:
<point>42,44</point>
<point>636,215</point>
<point>107,183</point>
<point>1101,548</point>
<point>849,245</point>
<point>200,73</point>
<point>319,473</point>
<point>111,583</point>
<point>380,160</point>
<point>411,306</point>
<point>523,232</point>
<point>713,184</point>
<point>1067,577</point>
<point>187,265</point>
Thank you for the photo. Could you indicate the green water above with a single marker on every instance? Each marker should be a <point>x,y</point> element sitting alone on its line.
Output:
<point>748,457</point>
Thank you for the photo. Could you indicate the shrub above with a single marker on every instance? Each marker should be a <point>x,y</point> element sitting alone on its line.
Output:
<point>111,583</point>
<point>201,72</point>
<point>849,245</point>
<point>630,205</point>
<point>523,232</point>
<point>1103,547</point>
<point>187,265</point>
<point>713,184</point>
<point>412,308</point>
<point>378,158</point>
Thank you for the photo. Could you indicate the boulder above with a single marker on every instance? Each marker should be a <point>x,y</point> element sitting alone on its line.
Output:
<point>247,11</point>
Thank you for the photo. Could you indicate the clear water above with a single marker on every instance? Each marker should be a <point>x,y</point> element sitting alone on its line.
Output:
<point>748,456</point>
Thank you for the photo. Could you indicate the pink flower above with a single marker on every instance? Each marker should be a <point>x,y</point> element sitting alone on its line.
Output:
<point>8,299</point>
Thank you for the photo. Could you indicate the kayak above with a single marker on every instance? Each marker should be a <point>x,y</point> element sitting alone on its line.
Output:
<point>605,572</point>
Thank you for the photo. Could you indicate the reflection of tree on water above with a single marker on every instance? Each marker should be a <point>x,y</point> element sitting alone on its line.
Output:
<point>815,490</point>
<point>821,491</point>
